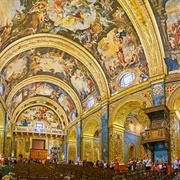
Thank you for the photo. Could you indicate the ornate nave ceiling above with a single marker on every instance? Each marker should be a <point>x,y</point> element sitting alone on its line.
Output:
<point>56,54</point>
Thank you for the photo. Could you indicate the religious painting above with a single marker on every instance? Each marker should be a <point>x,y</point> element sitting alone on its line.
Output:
<point>172,59</point>
<point>100,26</point>
<point>30,116</point>
<point>44,89</point>
<point>51,62</point>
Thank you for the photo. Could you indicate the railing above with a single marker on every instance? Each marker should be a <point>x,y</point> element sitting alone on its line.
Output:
<point>154,134</point>
<point>41,131</point>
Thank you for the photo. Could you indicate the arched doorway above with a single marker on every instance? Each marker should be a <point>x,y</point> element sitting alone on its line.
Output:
<point>132,151</point>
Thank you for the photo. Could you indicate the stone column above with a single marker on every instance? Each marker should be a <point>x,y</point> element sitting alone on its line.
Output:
<point>79,132</point>
<point>65,145</point>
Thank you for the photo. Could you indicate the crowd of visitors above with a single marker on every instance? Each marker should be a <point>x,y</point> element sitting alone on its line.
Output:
<point>133,164</point>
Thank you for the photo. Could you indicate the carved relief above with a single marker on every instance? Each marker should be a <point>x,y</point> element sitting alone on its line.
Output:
<point>88,149</point>
<point>72,152</point>
<point>116,145</point>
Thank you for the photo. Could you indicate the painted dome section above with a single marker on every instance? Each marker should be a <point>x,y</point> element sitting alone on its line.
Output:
<point>39,114</point>
<point>44,89</point>
<point>102,27</point>
<point>53,62</point>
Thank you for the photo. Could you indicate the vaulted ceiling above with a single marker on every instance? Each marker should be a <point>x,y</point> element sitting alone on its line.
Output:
<point>56,55</point>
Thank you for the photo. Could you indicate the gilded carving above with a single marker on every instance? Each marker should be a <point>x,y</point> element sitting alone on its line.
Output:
<point>72,152</point>
<point>116,145</point>
<point>89,127</point>
<point>8,147</point>
<point>1,142</point>
<point>72,135</point>
<point>88,149</point>
<point>174,136</point>
<point>2,116</point>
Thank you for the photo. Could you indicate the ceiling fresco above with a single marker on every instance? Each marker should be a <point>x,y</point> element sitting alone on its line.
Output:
<point>114,36</point>
<point>102,27</point>
<point>168,20</point>
<point>51,62</point>
<point>44,89</point>
<point>46,103</point>
<point>30,116</point>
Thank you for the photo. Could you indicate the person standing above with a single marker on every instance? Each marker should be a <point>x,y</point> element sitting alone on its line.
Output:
<point>148,164</point>
<point>176,165</point>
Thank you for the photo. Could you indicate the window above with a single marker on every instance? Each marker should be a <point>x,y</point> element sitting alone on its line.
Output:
<point>126,79</point>
<point>39,125</point>
<point>1,89</point>
<point>90,101</point>
<point>72,116</point>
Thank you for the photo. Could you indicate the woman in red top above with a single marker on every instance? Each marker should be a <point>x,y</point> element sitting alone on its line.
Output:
<point>116,164</point>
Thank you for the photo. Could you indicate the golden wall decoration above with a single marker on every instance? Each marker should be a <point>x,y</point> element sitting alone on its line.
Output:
<point>2,117</point>
<point>116,144</point>
<point>90,126</point>
<point>97,150</point>
<point>72,148</point>
<point>21,146</point>
<point>72,135</point>
<point>1,142</point>
<point>122,111</point>
<point>87,149</point>
<point>8,147</point>
<point>174,136</point>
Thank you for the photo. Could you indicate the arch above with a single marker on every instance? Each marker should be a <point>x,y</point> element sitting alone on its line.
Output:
<point>125,107</point>
<point>91,126</point>
<point>173,100</point>
<point>72,135</point>
<point>143,20</point>
<point>45,78</point>
<point>37,104</point>
<point>132,151</point>
<point>50,101</point>
<point>61,43</point>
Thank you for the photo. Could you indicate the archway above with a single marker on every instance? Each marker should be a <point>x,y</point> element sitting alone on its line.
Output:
<point>127,121</point>
<point>132,151</point>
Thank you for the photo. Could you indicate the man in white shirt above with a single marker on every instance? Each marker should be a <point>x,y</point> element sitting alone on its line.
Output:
<point>176,165</point>
<point>148,164</point>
